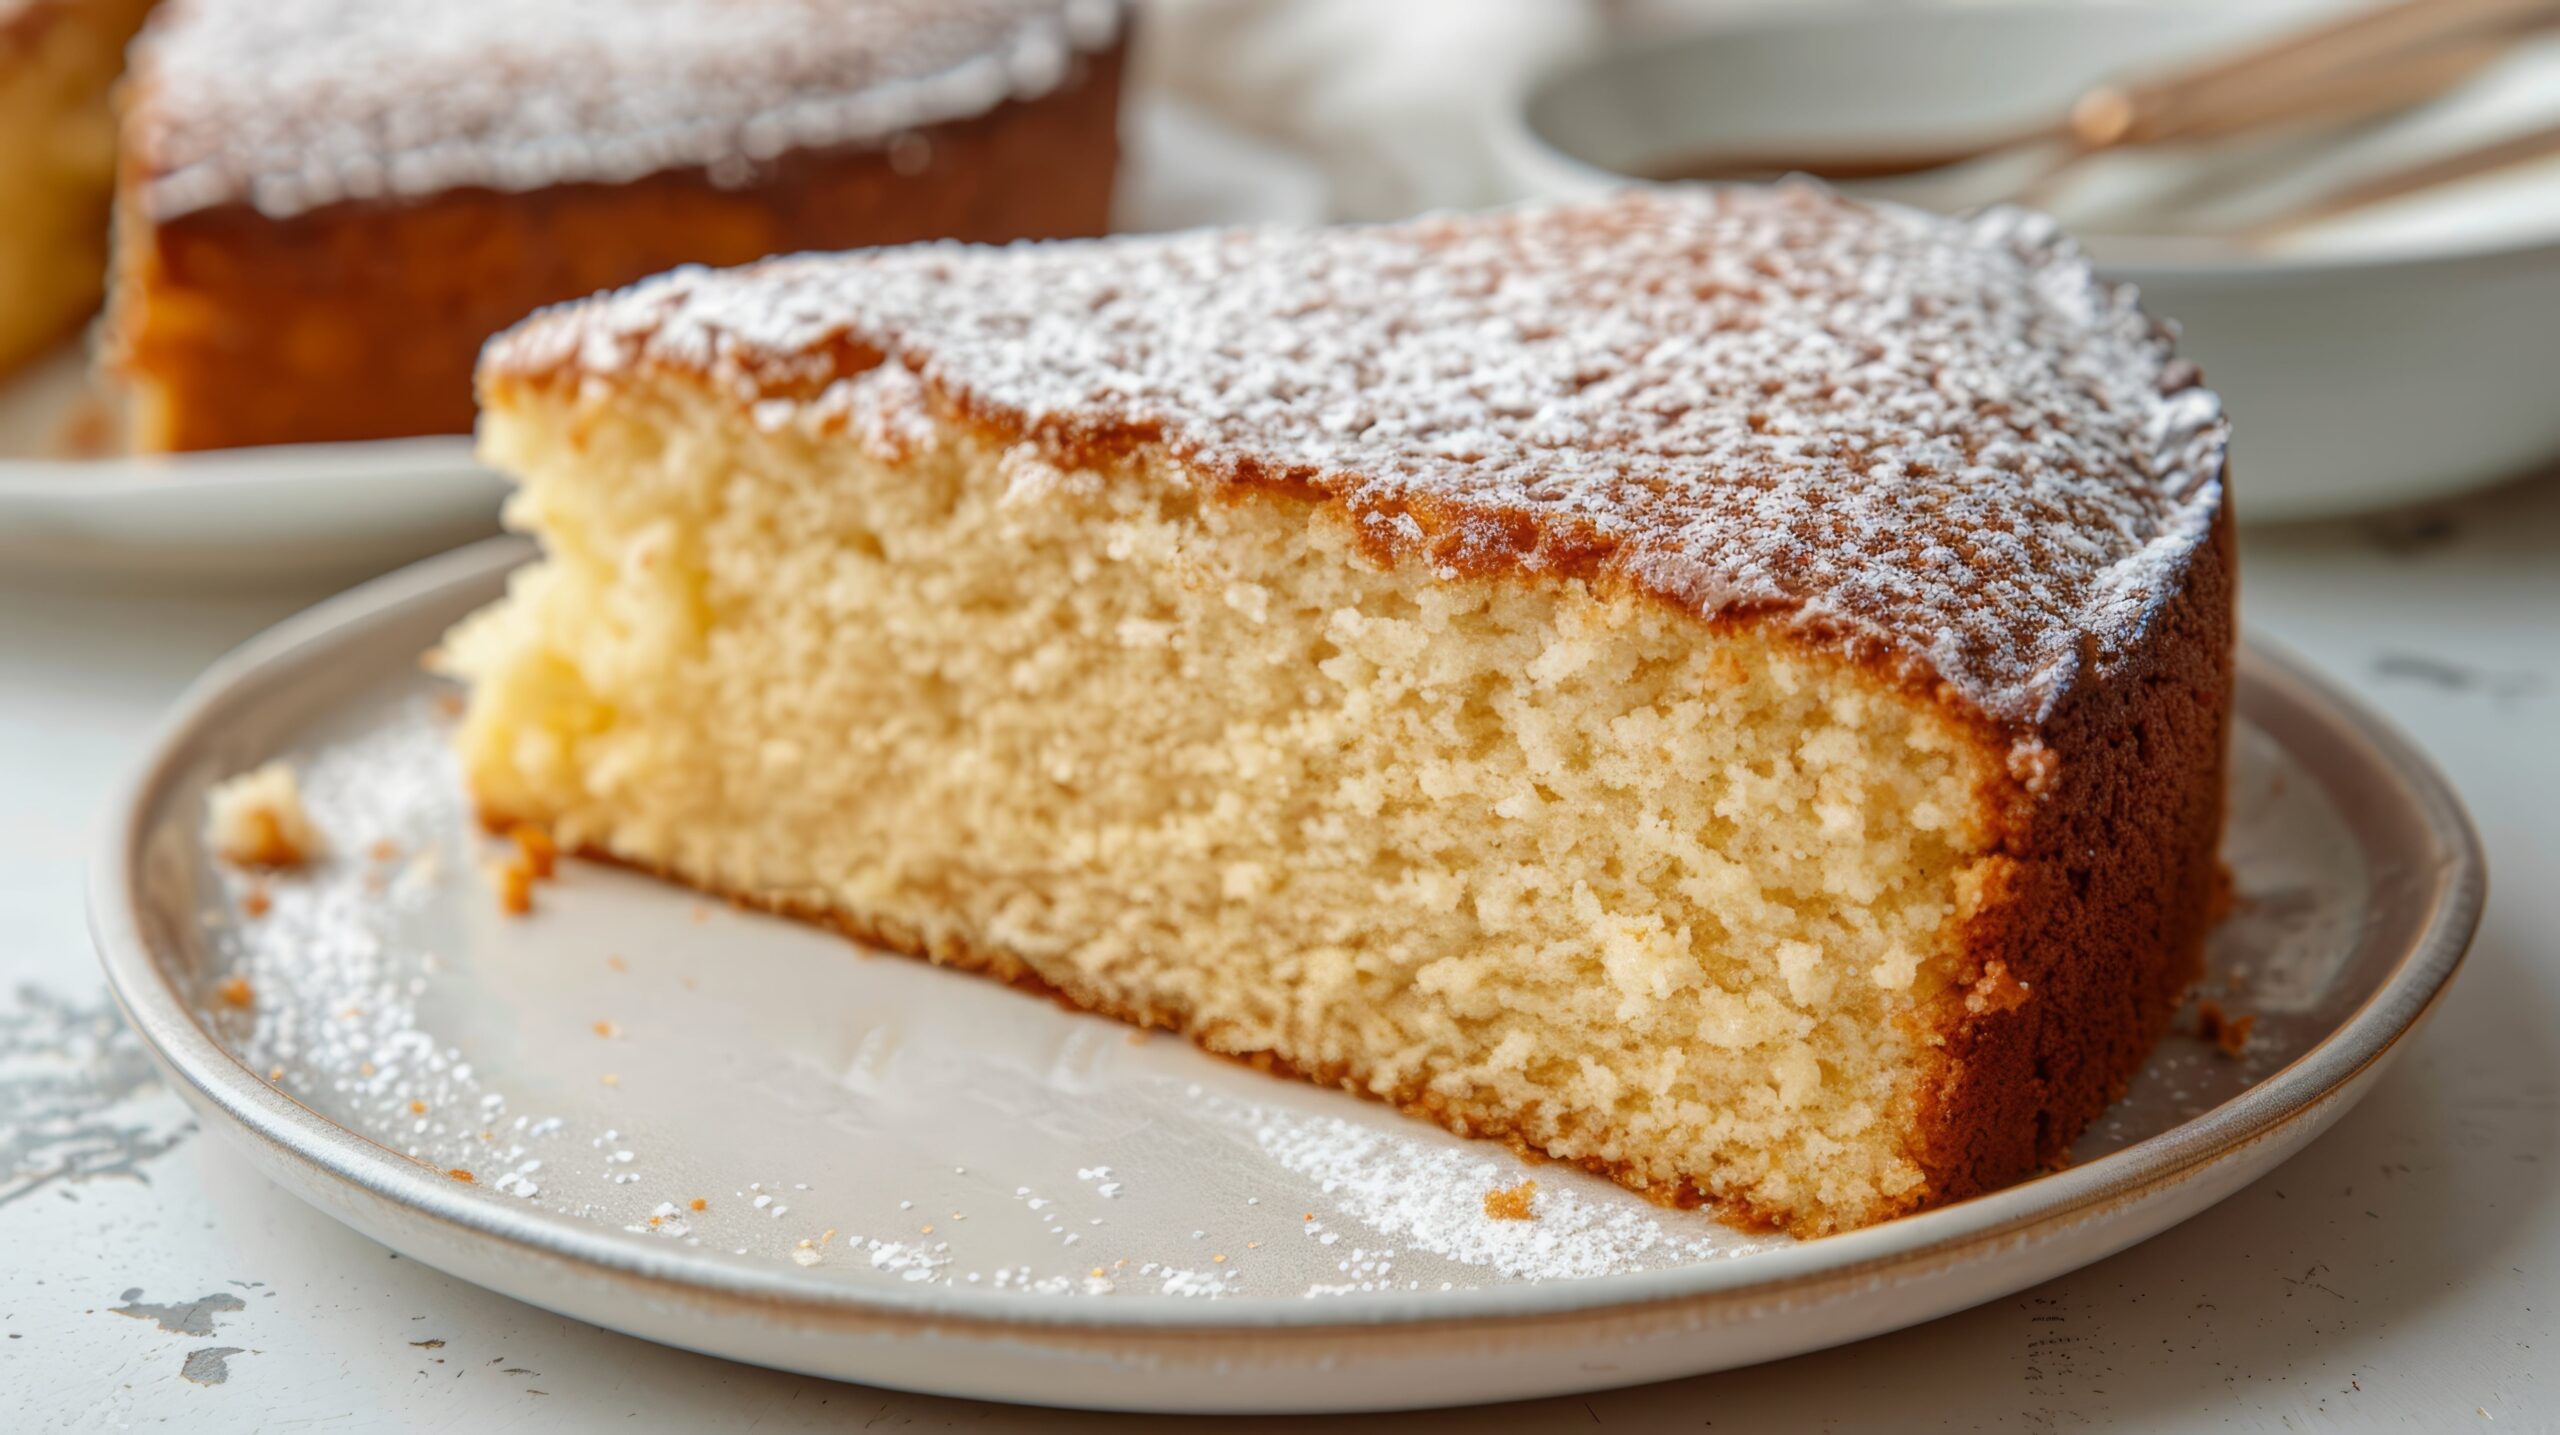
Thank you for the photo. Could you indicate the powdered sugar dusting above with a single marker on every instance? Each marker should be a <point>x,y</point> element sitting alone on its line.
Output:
<point>1431,1198</point>
<point>292,104</point>
<point>1937,441</point>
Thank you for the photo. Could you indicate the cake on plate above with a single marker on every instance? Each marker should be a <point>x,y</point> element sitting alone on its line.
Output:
<point>1725,688</point>
<point>58,61</point>
<point>327,206</point>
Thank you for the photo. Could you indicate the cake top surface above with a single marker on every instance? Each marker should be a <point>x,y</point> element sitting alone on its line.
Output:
<point>289,105</point>
<point>1941,442</point>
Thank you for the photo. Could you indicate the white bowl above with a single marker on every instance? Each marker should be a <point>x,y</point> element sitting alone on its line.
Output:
<point>2365,366</point>
<point>284,515</point>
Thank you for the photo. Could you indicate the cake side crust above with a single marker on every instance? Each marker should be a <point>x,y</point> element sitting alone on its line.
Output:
<point>2110,882</point>
<point>229,328</point>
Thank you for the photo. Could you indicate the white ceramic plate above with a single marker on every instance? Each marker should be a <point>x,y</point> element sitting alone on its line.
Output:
<point>260,515</point>
<point>1007,1200</point>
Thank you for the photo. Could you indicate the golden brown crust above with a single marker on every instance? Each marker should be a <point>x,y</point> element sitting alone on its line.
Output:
<point>363,320</point>
<point>2107,888</point>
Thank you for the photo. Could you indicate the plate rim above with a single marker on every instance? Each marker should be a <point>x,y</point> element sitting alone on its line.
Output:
<point>118,476</point>
<point>2303,1087</point>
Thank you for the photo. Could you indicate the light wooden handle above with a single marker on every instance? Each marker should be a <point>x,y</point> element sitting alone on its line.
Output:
<point>2368,47</point>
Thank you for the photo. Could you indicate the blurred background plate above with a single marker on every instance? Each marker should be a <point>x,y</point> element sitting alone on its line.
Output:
<point>731,1133</point>
<point>238,517</point>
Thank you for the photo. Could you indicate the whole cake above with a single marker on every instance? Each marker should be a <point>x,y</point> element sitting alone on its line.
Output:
<point>58,59</point>
<point>327,206</point>
<point>1728,688</point>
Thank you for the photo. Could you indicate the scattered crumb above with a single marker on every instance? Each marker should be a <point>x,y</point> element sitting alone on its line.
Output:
<point>236,991</point>
<point>255,902</point>
<point>700,913</point>
<point>1517,1203</point>
<point>461,1175</point>
<point>515,886</point>
<point>275,1073</point>
<point>364,1068</point>
<point>538,850</point>
<point>384,850</point>
<point>2230,1033</point>
<point>449,704</point>
<point>805,1254</point>
<point>610,1079</point>
<point>700,1204</point>
<point>258,820</point>
<point>417,1108</point>
<point>1309,1216</point>
<point>1220,1258</point>
<point>828,1235</point>
<point>607,1029</point>
<point>617,964</point>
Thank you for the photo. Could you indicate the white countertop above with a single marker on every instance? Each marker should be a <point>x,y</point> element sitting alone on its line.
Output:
<point>2404,1272</point>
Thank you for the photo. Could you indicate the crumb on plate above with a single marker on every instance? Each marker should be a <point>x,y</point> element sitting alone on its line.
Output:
<point>2230,1033</point>
<point>1513,1203</point>
<point>540,853</point>
<point>258,820</point>
<point>515,886</point>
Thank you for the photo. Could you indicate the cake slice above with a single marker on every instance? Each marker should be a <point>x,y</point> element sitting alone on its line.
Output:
<point>58,60</point>
<point>327,206</point>
<point>1725,688</point>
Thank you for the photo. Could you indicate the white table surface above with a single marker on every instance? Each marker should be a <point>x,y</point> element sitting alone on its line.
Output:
<point>2402,1273</point>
